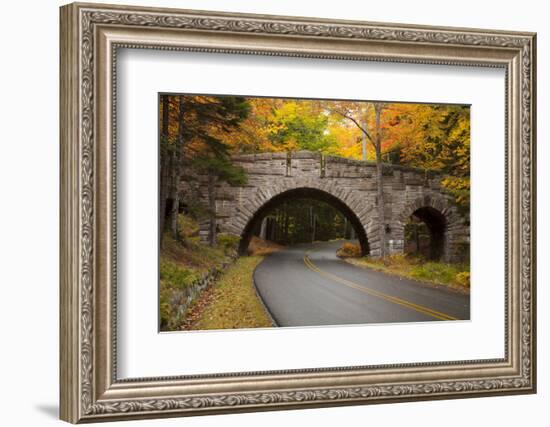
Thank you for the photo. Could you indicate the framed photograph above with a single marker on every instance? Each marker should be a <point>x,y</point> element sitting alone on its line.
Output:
<point>266,212</point>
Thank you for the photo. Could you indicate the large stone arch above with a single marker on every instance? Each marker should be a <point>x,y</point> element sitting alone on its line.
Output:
<point>454,228</point>
<point>351,204</point>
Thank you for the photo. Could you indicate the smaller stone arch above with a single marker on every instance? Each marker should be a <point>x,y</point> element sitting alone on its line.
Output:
<point>447,226</point>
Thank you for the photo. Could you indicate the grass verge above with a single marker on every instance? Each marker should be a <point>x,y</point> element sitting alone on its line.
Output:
<point>453,276</point>
<point>231,302</point>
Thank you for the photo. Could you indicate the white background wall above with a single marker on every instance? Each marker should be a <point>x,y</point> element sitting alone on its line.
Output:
<point>29,170</point>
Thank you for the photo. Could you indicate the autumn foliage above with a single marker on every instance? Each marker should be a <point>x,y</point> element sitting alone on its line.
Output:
<point>349,250</point>
<point>200,133</point>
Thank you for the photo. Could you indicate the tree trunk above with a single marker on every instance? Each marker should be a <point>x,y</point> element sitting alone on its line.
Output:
<point>263,229</point>
<point>163,194</point>
<point>379,180</point>
<point>271,228</point>
<point>212,210</point>
<point>312,222</point>
<point>164,172</point>
<point>176,172</point>
<point>281,223</point>
<point>175,211</point>
<point>286,223</point>
<point>364,139</point>
<point>345,228</point>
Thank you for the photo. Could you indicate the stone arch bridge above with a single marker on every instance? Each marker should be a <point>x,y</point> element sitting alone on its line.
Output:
<point>348,185</point>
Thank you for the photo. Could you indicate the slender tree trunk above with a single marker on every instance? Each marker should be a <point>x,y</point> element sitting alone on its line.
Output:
<point>263,229</point>
<point>278,222</point>
<point>376,138</point>
<point>312,219</point>
<point>345,228</point>
<point>164,172</point>
<point>311,222</point>
<point>286,223</point>
<point>364,139</point>
<point>379,180</point>
<point>212,210</point>
<point>176,175</point>
<point>163,195</point>
<point>275,225</point>
<point>175,211</point>
<point>271,229</point>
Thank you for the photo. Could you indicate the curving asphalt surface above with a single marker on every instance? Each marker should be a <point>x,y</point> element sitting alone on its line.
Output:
<point>308,285</point>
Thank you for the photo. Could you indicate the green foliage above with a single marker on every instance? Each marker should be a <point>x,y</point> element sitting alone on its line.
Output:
<point>463,278</point>
<point>192,253</point>
<point>187,226</point>
<point>222,168</point>
<point>306,220</point>
<point>298,125</point>
<point>416,267</point>
<point>174,278</point>
<point>228,242</point>
<point>175,275</point>
<point>169,318</point>
<point>206,118</point>
<point>398,260</point>
<point>435,272</point>
<point>459,188</point>
<point>199,126</point>
<point>194,206</point>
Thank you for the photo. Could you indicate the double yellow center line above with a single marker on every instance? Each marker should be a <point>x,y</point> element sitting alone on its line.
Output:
<point>378,294</point>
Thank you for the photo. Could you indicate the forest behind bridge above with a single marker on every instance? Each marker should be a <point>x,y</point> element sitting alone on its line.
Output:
<point>199,133</point>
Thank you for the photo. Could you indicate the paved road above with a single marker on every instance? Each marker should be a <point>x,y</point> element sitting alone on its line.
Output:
<point>309,285</point>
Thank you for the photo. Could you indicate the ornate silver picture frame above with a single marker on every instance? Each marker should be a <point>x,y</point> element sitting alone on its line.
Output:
<point>91,34</point>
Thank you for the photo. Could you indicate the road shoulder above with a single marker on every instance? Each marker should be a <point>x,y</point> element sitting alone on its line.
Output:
<point>447,287</point>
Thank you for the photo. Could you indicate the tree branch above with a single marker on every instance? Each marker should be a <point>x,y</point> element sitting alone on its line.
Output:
<point>355,122</point>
